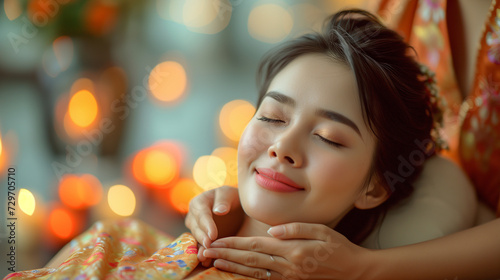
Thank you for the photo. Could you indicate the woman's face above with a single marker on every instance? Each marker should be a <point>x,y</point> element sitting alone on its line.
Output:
<point>306,154</point>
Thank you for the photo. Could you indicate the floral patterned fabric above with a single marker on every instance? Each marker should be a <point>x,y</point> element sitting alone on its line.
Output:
<point>480,131</point>
<point>128,249</point>
<point>472,126</point>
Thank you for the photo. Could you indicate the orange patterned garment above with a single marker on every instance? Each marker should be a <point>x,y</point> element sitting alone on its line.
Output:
<point>127,249</point>
<point>472,126</point>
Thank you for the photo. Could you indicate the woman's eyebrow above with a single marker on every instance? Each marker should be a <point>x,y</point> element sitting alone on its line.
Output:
<point>281,98</point>
<point>331,115</point>
<point>334,116</point>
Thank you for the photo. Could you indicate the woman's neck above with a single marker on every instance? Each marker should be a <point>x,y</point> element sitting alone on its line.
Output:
<point>252,227</point>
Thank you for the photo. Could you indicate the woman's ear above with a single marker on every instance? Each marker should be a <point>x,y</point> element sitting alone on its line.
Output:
<point>371,196</point>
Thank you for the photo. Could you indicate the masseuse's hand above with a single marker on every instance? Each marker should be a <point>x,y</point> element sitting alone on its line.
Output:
<point>206,227</point>
<point>297,251</point>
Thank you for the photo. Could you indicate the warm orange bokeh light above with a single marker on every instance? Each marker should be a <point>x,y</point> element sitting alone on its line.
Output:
<point>270,23</point>
<point>121,200</point>
<point>8,149</point>
<point>62,223</point>
<point>158,165</point>
<point>80,192</point>
<point>100,16</point>
<point>82,84</point>
<point>209,172</point>
<point>26,201</point>
<point>167,81</point>
<point>73,131</point>
<point>230,157</point>
<point>12,9</point>
<point>37,12</point>
<point>234,117</point>
<point>82,108</point>
<point>138,166</point>
<point>181,194</point>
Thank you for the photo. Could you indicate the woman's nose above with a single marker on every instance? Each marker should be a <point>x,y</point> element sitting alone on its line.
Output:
<point>286,151</point>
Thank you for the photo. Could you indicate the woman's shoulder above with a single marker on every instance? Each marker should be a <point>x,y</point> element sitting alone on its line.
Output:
<point>445,180</point>
<point>438,169</point>
<point>445,190</point>
<point>443,202</point>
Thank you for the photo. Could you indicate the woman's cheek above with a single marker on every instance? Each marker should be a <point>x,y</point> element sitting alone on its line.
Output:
<point>246,151</point>
<point>336,173</point>
<point>254,141</point>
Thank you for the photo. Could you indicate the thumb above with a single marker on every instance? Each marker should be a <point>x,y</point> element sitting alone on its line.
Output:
<point>304,231</point>
<point>225,199</point>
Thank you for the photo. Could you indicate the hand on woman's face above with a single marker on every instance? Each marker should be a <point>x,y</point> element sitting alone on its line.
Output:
<point>306,154</point>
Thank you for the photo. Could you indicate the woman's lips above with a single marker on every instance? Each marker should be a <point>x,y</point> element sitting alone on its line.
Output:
<point>275,181</point>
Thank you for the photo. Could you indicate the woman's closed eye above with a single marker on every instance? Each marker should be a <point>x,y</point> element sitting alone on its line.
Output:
<point>266,119</point>
<point>324,139</point>
<point>330,142</point>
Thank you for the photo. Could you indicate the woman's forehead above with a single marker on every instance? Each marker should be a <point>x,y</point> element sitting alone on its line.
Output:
<point>317,80</point>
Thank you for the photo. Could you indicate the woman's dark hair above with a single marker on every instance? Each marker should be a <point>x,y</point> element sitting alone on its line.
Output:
<point>395,102</point>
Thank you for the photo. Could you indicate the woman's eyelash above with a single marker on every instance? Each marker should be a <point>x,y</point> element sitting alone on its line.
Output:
<point>266,119</point>
<point>335,144</point>
<point>329,142</point>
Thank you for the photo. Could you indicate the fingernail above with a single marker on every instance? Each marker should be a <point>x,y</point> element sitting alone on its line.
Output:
<point>220,208</point>
<point>210,254</point>
<point>219,244</point>
<point>206,243</point>
<point>220,264</point>
<point>276,231</point>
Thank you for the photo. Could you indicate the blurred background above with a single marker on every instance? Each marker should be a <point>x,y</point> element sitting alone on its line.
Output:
<point>126,108</point>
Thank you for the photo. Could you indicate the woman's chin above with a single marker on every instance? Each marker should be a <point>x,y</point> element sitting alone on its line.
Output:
<point>266,215</point>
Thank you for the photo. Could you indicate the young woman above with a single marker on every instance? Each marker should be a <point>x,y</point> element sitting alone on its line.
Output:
<point>471,254</point>
<point>346,120</point>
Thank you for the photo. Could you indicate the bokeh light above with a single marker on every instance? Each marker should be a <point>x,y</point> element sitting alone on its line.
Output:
<point>209,172</point>
<point>206,16</point>
<point>200,16</point>
<point>100,16</point>
<point>198,13</point>
<point>158,165</point>
<point>154,167</point>
<point>82,108</point>
<point>39,13</point>
<point>72,130</point>
<point>234,117</point>
<point>80,192</point>
<point>82,84</point>
<point>167,81</point>
<point>62,223</point>
<point>9,145</point>
<point>12,9</point>
<point>26,201</point>
<point>269,23</point>
<point>181,194</point>
<point>121,200</point>
<point>230,157</point>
